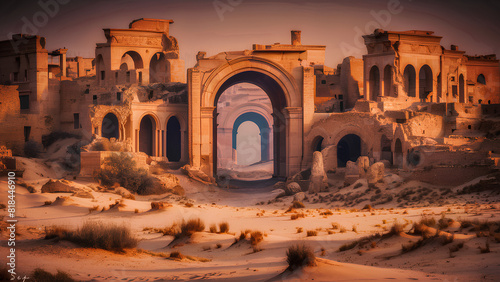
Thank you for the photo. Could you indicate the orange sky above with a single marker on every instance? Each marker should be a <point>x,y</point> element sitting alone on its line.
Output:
<point>223,25</point>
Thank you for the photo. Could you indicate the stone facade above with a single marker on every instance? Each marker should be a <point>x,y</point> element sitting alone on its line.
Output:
<point>407,103</point>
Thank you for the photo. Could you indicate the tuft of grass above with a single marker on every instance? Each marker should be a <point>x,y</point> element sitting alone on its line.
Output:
<point>300,255</point>
<point>354,229</point>
<point>256,237</point>
<point>96,234</point>
<point>348,246</point>
<point>299,229</point>
<point>188,228</point>
<point>188,205</point>
<point>342,229</point>
<point>326,213</point>
<point>297,216</point>
<point>40,275</point>
<point>335,225</point>
<point>444,223</point>
<point>224,227</point>
<point>396,228</point>
<point>367,207</point>
<point>311,233</point>
<point>47,203</point>
<point>213,228</point>
<point>428,221</point>
<point>176,255</point>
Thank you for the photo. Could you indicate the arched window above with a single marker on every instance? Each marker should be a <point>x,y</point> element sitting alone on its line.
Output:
<point>374,83</point>
<point>410,80</point>
<point>388,81</point>
<point>481,79</point>
<point>425,82</point>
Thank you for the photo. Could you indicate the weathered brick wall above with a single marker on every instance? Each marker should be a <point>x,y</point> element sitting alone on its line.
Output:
<point>12,124</point>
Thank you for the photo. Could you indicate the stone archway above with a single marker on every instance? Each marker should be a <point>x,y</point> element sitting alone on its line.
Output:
<point>174,137</point>
<point>146,135</point>
<point>286,102</point>
<point>261,122</point>
<point>374,83</point>
<point>348,149</point>
<point>110,127</point>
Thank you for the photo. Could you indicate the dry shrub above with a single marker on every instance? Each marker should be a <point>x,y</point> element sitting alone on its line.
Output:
<point>444,223</point>
<point>396,228</point>
<point>159,205</point>
<point>335,225</point>
<point>40,275</point>
<point>190,227</point>
<point>348,246</point>
<point>299,229</point>
<point>256,237</point>
<point>224,227</point>
<point>296,216</point>
<point>96,234</point>
<point>300,255</point>
<point>311,233</point>
<point>367,207</point>
<point>176,255</point>
<point>47,203</point>
<point>297,205</point>
<point>56,232</point>
<point>188,205</point>
<point>121,168</point>
<point>342,229</point>
<point>428,221</point>
<point>213,228</point>
<point>446,239</point>
<point>326,213</point>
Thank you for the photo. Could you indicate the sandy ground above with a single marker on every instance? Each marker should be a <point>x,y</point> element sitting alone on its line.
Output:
<point>242,208</point>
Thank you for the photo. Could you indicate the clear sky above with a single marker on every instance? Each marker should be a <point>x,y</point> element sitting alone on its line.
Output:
<point>224,25</point>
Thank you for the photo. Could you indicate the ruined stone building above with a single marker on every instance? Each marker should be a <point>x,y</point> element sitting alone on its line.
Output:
<point>409,102</point>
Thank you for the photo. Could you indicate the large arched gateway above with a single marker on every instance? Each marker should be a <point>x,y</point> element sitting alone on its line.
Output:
<point>289,112</point>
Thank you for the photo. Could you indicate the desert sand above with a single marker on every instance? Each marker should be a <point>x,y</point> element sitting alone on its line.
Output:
<point>213,256</point>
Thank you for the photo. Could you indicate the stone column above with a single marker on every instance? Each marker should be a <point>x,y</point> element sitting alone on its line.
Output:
<point>194,120</point>
<point>207,140</point>
<point>294,139</point>
<point>308,93</point>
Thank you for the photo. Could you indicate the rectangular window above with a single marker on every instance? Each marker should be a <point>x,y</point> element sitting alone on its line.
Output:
<point>76,121</point>
<point>116,77</point>
<point>16,76</point>
<point>128,76</point>
<point>140,77</point>
<point>323,82</point>
<point>103,75</point>
<point>27,132</point>
<point>94,99</point>
<point>341,97</point>
<point>471,99</point>
<point>118,96</point>
<point>454,90</point>
<point>25,75</point>
<point>25,102</point>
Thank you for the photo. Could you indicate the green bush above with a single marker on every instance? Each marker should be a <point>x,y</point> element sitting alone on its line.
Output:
<point>121,168</point>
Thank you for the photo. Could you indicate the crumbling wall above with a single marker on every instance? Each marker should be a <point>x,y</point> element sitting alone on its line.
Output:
<point>12,123</point>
